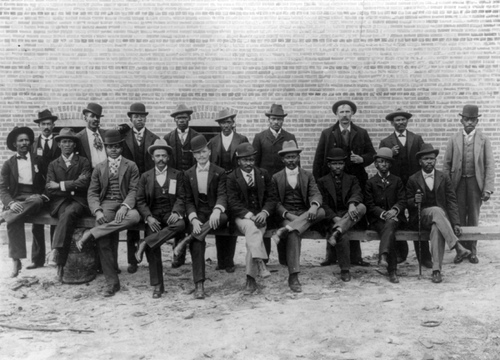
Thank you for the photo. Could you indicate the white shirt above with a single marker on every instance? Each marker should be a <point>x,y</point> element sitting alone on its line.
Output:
<point>275,133</point>
<point>402,139</point>
<point>25,176</point>
<point>429,180</point>
<point>140,134</point>
<point>116,162</point>
<point>202,178</point>
<point>67,161</point>
<point>246,175</point>
<point>50,142</point>
<point>183,135</point>
<point>161,176</point>
<point>226,140</point>
<point>292,176</point>
<point>468,137</point>
<point>95,155</point>
<point>347,128</point>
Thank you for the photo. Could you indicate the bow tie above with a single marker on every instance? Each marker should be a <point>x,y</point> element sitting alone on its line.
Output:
<point>158,172</point>
<point>24,157</point>
<point>401,135</point>
<point>202,170</point>
<point>429,176</point>
<point>293,172</point>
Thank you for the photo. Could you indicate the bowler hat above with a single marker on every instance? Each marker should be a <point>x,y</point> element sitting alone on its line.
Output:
<point>66,133</point>
<point>470,111</point>
<point>336,154</point>
<point>244,150</point>
<point>398,112</point>
<point>224,114</point>
<point>181,109</point>
<point>94,108</point>
<point>353,106</point>
<point>112,137</point>
<point>384,153</point>
<point>160,144</point>
<point>198,143</point>
<point>288,147</point>
<point>137,108</point>
<point>426,149</point>
<point>45,115</point>
<point>12,137</point>
<point>276,110</point>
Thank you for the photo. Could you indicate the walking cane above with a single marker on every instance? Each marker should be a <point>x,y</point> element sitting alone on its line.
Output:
<point>419,238</point>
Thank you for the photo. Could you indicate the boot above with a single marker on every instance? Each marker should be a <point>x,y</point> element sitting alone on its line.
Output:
<point>199,290</point>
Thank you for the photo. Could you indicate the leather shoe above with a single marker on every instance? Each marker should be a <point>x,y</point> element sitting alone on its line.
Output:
<point>280,234</point>
<point>383,260</point>
<point>220,267</point>
<point>132,269</point>
<point>60,273</point>
<point>345,275</point>
<point>199,290</point>
<point>473,259</point>
<point>327,262</point>
<point>263,272</point>
<point>33,266</point>
<point>294,283</point>
<point>250,286</point>
<point>436,277</point>
<point>400,260</point>
<point>427,263</point>
<point>181,246</point>
<point>16,267</point>
<point>87,235</point>
<point>393,277</point>
<point>230,269</point>
<point>360,262</point>
<point>110,290</point>
<point>157,291</point>
<point>177,263</point>
<point>334,238</point>
<point>140,251</point>
<point>462,254</point>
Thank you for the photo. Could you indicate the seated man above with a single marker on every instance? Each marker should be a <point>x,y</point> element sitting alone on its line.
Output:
<point>160,200</point>
<point>111,198</point>
<point>385,200</point>
<point>342,197</point>
<point>68,178</point>
<point>299,201</point>
<point>251,200</point>
<point>439,209</point>
<point>206,202</point>
<point>21,188</point>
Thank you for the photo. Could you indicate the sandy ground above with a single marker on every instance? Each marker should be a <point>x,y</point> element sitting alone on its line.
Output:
<point>368,318</point>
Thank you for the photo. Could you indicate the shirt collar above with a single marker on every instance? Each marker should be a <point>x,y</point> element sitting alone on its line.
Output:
<point>404,133</point>
<point>471,133</point>
<point>274,132</point>
<point>230,136</point>
<point>292,172</point>
<point>433,173</point>
<point>348,128</point>
<point>204,168</point>
<point>69,158</point>
<point>51,137</point>
<point>139,132</point>
<point>185,132</point>
<point>28,155</point>
<point>245,174</point>
<point>379,174</point>
<point>117,160</point>
<point>158,172</point>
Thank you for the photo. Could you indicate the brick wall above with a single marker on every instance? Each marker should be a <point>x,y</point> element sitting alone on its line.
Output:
<point>431,57</point>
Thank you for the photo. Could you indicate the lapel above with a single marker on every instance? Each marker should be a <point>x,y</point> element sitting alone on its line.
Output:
<point>232,147</point>
<point>104,176</point>
<point>15,171</point>
<point>270,137</point>
<point>346,185</point>
<point>150,181</point>
<point>337,137</point>
<point>242,183</point>
<point>459,144</point>
<point>421,181</point>
<point>281,180</point>
<point>261,186</point>
<point>122,170</point>
<point>193,180</point>
<point>148,139</point>
<point>129,140</point>
<point>330,186</point>
<point>302,182</point>
<point>85,144</point>
<point>438,179</point>
<point>478,146</point>
<point>352,134</point>
<point>378,181</point>
<point>62,165</point>
<point>409,141</point>
<point>211,175</point>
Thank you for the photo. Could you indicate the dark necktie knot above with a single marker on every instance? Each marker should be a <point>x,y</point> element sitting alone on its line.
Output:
<point>24,157</point>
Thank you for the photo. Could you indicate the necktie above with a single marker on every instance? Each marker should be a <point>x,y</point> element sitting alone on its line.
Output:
<point>113,167</point>
<point>97,142</point>
<point>24,157</point>
<point>401,135</point>
<point>183,137</point>
<point>138,136</point>
<point>429,180</point>
<point>46,148</point>
<point>338,183</point>
<point>345,136</point>
<point>250,180</point>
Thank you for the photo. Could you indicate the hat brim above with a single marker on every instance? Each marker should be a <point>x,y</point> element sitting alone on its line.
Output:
<point>478,115</point>
<point>336,158</point>
<point>383,157</point>
<point>137,112</point>
<point>344,102</point>
<point>174,114</point>
<point>277,115</point>
<point>283,152</point>
<point>53,118</point>
<point>114,142</point>
<point>90,111</point>
<point>14,133</point>
<point>152,149</point>
<point>245,155</point>
<point>226,117</point>
<point>422,153</point>
<point>391,116</point>
<point>58,138</point>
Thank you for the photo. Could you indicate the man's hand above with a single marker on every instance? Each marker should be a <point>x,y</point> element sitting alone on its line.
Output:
<point>395,150</point>
<point>82,176</point>
<point>100,218</point>
<point>120,214</point>
<point>173,218</point>
<point>356,158</point>
<point>153,224</point>
<point>215,219</point>
<point>16,208</point>
<point>196,223</point>
<point>260,219</point>
<point>353,212</point>
<point>457,230</point>
<point>53,185</point>
<point>486,196</point>
<point>418,197</point>
<point>390,214</point>
<point>312,213</point>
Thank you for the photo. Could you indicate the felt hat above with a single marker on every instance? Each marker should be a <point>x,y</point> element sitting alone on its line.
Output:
<point>336,154</point>
<point>398,112</point>
<point>94,108</point>
<point>276,110</point>
<point>470,111</point>
<point>160,144</point>
<point>181,109</point>
<point>198,143</point>
<point>289,147</point>
<point>112,137</point>
<point>384,153</point>
<point>224,114</point>
<point>45,115</point>
<point>244,150</point>
<point>353,106</point>
<point>426,149</point>
<point>66,133</point>
<point>137,108</point>
<point>11,138</point>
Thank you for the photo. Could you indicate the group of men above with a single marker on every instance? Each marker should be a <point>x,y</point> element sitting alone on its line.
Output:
<point>182,187</point>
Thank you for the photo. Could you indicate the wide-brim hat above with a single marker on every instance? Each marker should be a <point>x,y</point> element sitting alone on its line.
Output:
<point>94,108</point>
<point>289,147</point>
<point>353,106</point>
<point>66,133</point>
<point>45,115</point>
<point>160,144</point>
<point>384,153</point>
<point>470,111</point>
<point>244,150</point>
<point>112,137</point>
<point>276,110</point>
<point>224,114</point>
<point>181,109</point>
<point>11,138</point>
<point>137,108</point>
<point>398,112</point>
<point>198,143</point>
<point>336,154</point>
<point>426,149</point>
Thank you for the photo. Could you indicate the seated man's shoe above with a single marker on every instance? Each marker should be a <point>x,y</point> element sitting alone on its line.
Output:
<point>436,277</point>
<point>360,262</point>
<point>328,261</point>
<point>230,269</point>
<point>176,263</point>
<point>132,268</point>
<point>87,235</point>
<point>157,291</point>
<point>383,260</point>
<point>345,275</point>
<point>427,263</point>
<point>220,267</point>
<point>250,286</point>
<point>334,238</point>
<point>280,234</point>
<point>294,283</point>
<point>263,272</point>
<point>181,246</point>
<point>199,290</point>
<point>140,251</point>
<point>473,259</point>
<point>400,260</point>
<point>462,253</point>
<point>60,273</point>
<point>16,267</point>
<point>110,290</point>
<point>393,277</point>
<point>33,266</point>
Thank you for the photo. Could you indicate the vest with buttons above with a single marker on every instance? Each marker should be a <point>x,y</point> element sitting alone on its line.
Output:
<point>253,200</point>
<point>113,192</point>
<point>161,204</point>
<point>293,199</point>
<point>404,164</point>
<point>139,155</point>
<point>225,160</point>
<point>429,199</point>
<point>468,169</point>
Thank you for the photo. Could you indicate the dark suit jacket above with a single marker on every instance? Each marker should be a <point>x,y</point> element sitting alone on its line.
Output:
<point>443,190</point>
<point>237,193</point>
<point>267,147</point>
<point>83,147</point>
<point>10,176</point>
<point>414,143</point>
<point>351,193</point>
<point>380,198</point>
<point>145,192</point>
<point>76,187</point>
<point>216,187</point>
<point>216,148</point>
<point>128,178</point>
<point>128,147</point>
<point>173,140</point>
<point>54,153</point>
<point>360,144</point>
<point>308,189</point>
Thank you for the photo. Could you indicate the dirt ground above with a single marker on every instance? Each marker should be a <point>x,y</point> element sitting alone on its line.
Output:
<point>368,318</point>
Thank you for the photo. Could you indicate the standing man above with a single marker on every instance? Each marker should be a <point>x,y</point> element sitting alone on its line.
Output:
<point>222,153</point>
<point>46,148</point>
<point>160,200</point>
<point>299,206</point>
<point>267,144</point>
<point>405,145</point>
<point>355,142</point>
<point>206,203</point>
<point>91,144</point>
<point>21,186</point>
<point>385,200</point>
<point>135,148</point>
<point>470,163</point>
<point>111,197</point>
<point>434,191</point>
<point>251,199</point>
<point>68,179</point>
<point>342,201</point>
